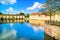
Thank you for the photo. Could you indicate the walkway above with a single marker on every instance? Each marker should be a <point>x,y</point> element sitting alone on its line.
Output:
<point>52,31</point>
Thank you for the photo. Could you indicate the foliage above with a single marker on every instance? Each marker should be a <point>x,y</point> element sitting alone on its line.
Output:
<point>1,18</point>
<point>52,6</point>
<point>0,12</point>
<point>22,14</point>
<point>27,15</point>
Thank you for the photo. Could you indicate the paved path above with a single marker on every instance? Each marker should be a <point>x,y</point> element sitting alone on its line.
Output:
<point>52,31</point>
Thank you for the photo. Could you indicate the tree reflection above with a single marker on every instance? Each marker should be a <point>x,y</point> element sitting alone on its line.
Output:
<point>21,22</point>
<point>27,21</point>
<point>0,23</point>
<point>1,29</point>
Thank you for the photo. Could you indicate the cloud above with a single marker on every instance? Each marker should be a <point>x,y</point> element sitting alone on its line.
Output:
<point>24,38</point>
<point>23,11</point>
<point>11,11</point>
<point>35,5</point>
<point>9,34</point>
<point>11,25</point>
<point>8,1</point>
<point>37,28</point>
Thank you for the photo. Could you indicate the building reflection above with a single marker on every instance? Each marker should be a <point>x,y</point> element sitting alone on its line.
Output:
<point>32,22</point>
<point>37,22</point>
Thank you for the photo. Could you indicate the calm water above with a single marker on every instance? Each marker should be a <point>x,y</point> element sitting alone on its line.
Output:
<point>21,31</point>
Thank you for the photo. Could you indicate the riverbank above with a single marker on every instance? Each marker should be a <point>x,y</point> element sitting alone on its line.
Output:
<point>53,31</point>
<point>47,37</point>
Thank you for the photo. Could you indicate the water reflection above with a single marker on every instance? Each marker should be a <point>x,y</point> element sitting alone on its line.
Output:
<point>8,34</point>
<point>21,30</point>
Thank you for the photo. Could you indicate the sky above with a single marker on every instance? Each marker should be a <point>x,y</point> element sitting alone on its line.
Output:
<point>17,6</point>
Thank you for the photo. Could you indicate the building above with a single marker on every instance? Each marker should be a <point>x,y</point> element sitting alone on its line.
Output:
<point>36,15</point>
<point>57,16</point>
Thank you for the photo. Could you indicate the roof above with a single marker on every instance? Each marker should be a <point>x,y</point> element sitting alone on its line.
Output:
<point>58,13</point>
<point>35,13</point>
<point>46,13</point>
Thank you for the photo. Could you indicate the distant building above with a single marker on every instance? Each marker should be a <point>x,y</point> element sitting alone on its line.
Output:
<point>36,15</point>
<point>57,16</point>
<point>46,13</point>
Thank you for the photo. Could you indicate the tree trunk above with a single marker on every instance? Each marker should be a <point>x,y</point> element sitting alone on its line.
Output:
<point>50,18</point>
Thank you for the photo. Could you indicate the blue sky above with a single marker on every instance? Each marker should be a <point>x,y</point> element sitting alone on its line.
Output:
<point>17,6</point>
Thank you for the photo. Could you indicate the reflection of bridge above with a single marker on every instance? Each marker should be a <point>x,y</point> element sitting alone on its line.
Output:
<point>12,21</point>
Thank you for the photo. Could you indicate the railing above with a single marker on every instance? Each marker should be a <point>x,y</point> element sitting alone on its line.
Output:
<point>56,23</point>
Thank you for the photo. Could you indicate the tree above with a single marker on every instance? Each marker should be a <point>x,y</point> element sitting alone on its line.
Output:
<point>22,14</point>
<point>0,12</point>
<point>52,6</point>
<point>27,15</point>
<point>1,18</point>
